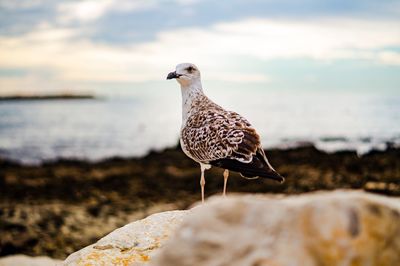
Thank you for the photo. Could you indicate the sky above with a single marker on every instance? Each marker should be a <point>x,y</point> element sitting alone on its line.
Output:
<point>107,46</point>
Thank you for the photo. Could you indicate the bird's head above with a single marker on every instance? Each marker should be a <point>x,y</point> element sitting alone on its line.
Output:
<point>186,74</point>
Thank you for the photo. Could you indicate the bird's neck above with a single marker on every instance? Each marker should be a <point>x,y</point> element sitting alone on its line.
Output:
<point>189,95</point>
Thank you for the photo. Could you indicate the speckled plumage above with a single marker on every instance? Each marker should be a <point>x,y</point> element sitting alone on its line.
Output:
<point>211,133</point>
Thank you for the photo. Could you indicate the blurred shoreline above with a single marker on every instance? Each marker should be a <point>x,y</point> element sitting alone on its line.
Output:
<point>58,207</point>
<point>330,145</point>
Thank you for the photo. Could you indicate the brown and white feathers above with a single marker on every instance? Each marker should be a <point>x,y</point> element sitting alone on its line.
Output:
<point>211,135</point>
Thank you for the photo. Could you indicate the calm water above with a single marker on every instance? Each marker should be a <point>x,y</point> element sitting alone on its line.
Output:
<point>131,126</point>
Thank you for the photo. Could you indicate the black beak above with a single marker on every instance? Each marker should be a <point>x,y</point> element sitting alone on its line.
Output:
<point>173,75</point>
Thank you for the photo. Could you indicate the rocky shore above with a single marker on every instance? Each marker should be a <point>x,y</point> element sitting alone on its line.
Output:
<point>59,207</point>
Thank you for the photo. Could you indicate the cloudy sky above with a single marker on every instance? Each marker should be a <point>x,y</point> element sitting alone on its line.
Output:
<point>111,45</point>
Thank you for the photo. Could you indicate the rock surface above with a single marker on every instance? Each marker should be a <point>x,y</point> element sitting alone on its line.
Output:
<point>318,229</point>
<point>23,260</point>
<point>324,229</point>
<point>133,244</point>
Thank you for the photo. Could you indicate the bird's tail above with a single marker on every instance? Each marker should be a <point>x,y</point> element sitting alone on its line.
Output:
<point>265,172</point>
<point>252,170</point>
<point>259,166</point>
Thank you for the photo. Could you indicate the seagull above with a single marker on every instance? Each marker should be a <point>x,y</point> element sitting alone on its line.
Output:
<point>213,136</point>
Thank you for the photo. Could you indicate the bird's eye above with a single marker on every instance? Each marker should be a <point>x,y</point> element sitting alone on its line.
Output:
<point>190,69</point>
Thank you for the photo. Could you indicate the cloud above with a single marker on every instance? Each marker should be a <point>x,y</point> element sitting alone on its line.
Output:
<point>218,50</point>
<point>83,10</point>
<point>321,39</point>
<point>324,40</point>
<point>90,10</point>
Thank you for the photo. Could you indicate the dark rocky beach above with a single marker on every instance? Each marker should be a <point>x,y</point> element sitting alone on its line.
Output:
<point>58,207</point>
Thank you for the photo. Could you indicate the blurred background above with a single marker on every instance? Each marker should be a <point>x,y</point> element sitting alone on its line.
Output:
<point>83,98</point>
<point>320,71</point>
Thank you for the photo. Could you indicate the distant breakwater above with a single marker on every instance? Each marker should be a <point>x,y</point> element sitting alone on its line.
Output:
<point>46,97</point>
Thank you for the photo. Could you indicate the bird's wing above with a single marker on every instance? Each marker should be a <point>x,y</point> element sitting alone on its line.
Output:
<point>216,134</point>
<point>226,139</point>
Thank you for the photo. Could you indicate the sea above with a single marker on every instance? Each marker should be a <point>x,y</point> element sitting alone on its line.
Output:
<point>131,125</point>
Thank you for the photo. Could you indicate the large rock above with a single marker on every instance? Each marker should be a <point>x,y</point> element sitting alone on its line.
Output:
<point>324,229</point>
<point>133,244</point>
<point>331,228</point>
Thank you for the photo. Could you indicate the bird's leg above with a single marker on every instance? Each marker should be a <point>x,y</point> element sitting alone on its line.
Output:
<point>226,175</point>
<point>202,182</point>
<point>203,167</point>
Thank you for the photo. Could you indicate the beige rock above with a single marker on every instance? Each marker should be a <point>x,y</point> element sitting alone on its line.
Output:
<point>133,244</point>
<point>23,260</point>
<point>325,229</point>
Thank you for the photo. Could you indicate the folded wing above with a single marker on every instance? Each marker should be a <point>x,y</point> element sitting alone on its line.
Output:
<point>227,140</point>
